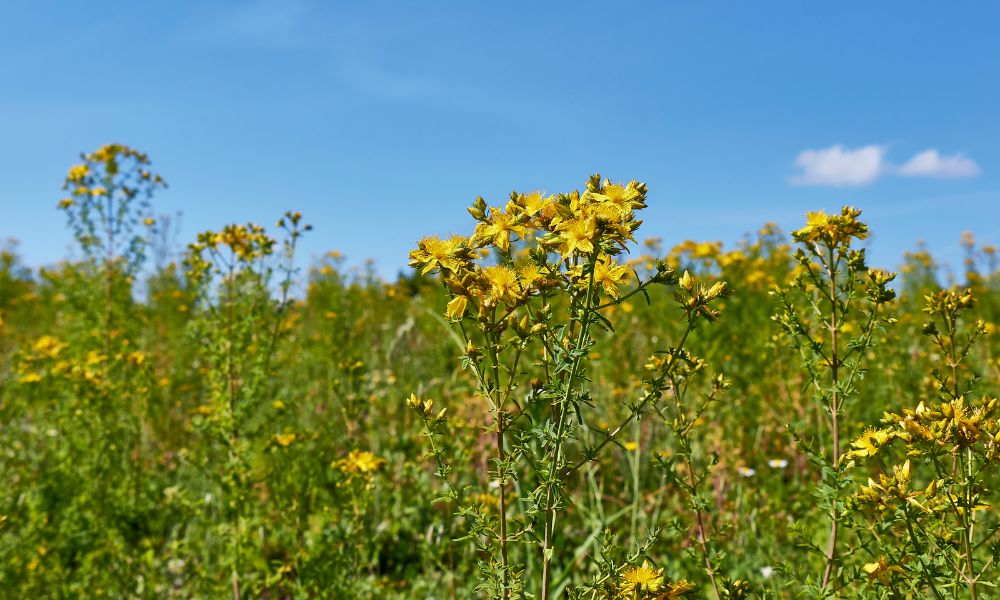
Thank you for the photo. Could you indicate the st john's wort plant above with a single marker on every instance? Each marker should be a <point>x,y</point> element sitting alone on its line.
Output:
<point>528,320</point>
<point>933,529</point>
<point>832,314</point>
<point>238,326</point>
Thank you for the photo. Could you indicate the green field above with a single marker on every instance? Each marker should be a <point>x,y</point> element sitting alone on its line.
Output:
<point>551,407</point>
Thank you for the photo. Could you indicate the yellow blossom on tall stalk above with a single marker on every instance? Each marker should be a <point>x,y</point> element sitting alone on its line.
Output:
<point>457,307</point>
<point>869,443</point>
<point>832,229</point>
<point>434,253</point>
<point>532,280</point>
<point>360,462</point>
<point>498,228</point>
<point>643,579</point>
<point>829,283</point>
<point>533,203</point>
<point>577,236</point>
<point>501,285</point>
<point>609,275</point>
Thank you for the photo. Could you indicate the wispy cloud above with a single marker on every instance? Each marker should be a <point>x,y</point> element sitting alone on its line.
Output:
<point>362,57</point>
<point>839,166</point>
<point>268,24</point>
<point>930,163</point>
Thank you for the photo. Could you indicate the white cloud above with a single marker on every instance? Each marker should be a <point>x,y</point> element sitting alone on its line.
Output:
<point>930,163</point>
<point>839,166</point>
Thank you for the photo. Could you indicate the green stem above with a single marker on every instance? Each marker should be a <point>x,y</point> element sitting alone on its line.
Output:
<point>550,513</point>
<point>831,552</point>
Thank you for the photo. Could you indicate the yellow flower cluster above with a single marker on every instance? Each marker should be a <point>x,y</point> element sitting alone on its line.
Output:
<point>359,462</point>
<point>48,347</point>
<point>247,242</point>
<point>45,348</point>
<point>425,408</point>
<point>949,302</point>
<point>832,230</point>
<point>88,179</point>
<point>887,490</point>
<point>697,250</point>
<point>950,424</point>
<point>595,224</point>
<point>758,264</point>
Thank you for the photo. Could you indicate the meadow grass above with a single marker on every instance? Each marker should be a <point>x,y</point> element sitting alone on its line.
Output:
<point>544,408</point>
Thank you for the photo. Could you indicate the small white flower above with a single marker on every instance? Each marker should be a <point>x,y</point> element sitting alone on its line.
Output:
<point>746,471</point>
<point>175,565</point>
<point>766,572</point>
<point>494,484</point>
<point>777,463</point>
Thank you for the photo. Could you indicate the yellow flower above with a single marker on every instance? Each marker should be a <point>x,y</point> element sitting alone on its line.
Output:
<point>609,275</point>
<point>359,462</point>
<point>77,173</point>
<point>284,439</point>
<point>677,589</point>
<point>645,578</point>
<point>687,282</point>
<point>530,274</point>
<point>48,346</point>
<point>816,222</point>
<point>94,358</point>
<point>881,570</point>
<point>871,441</point>
<point>435,253</point>
<point>498,229</point>
<point>66,203</point>
<point>616,202</point>
<point>533,203</point>
<point>31,377</point>
<point>577,236</point>
<point>456,308</point>
<point>501,284</point>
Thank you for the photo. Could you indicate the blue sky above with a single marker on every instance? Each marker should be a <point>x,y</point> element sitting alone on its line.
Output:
<point>381,121</point>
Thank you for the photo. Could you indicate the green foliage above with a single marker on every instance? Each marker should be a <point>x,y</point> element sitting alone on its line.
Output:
<point>222,425</point>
